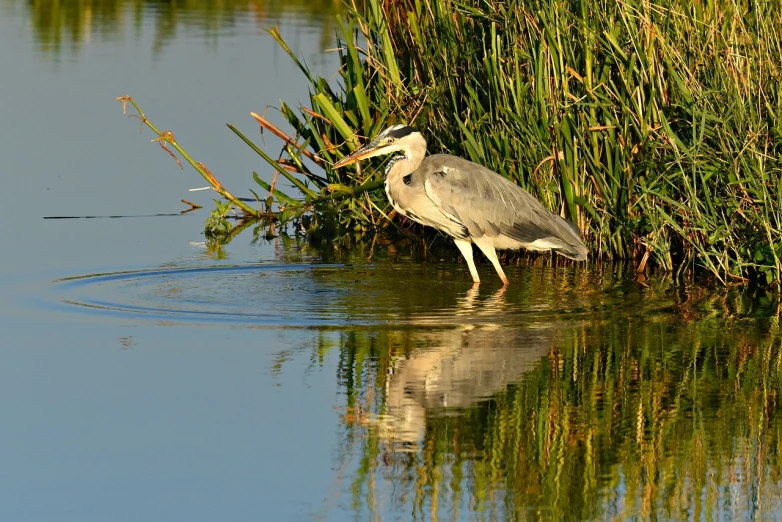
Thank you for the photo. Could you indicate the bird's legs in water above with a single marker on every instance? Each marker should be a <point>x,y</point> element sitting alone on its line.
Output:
<point>486,246</point>
<point>465,247</point>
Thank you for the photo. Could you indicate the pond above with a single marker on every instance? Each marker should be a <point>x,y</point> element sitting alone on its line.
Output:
<point>148,374</point>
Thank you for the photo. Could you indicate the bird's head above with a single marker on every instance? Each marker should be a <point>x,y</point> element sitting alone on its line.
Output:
<point>393,139</point>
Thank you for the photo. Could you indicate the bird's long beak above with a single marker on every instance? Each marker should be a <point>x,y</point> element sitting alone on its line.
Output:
<point>367,151</point>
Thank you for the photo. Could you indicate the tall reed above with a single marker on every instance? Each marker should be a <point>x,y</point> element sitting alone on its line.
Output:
<point>652,124</point>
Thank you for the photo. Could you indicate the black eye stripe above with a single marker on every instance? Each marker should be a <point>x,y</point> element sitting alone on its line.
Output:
<point>400,131</point>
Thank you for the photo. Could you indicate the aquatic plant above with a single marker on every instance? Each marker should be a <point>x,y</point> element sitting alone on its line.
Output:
<point>654,125</point>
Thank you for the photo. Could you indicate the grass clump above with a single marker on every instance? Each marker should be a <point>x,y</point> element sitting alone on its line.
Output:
<point>653,125</point>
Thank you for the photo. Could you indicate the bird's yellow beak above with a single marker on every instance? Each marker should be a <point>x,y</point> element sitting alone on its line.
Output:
<point>367,151</point>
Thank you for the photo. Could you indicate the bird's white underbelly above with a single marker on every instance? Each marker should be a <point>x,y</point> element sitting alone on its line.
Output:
<point>503,242</point>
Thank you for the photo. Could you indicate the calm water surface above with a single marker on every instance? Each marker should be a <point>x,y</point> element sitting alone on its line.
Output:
<point>148,375</point>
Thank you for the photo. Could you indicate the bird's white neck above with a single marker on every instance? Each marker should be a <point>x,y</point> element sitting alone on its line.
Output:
<point>413,156</point>
<point>398,174</point>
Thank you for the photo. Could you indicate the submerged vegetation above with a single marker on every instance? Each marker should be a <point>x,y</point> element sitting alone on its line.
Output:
<point>654,125</point>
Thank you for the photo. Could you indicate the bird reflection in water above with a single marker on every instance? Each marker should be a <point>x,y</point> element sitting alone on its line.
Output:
<point>468,359</point>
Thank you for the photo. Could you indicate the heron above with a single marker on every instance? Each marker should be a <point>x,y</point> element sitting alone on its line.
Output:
<point>466,201</point>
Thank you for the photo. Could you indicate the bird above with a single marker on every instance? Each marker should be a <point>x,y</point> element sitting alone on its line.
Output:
<point>466,201</point>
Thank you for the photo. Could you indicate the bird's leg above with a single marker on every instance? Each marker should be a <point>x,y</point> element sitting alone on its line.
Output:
<point>486,246</point>
<point>465,247</point>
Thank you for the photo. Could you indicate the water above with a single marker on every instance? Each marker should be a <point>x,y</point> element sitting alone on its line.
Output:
<point>150,375</point>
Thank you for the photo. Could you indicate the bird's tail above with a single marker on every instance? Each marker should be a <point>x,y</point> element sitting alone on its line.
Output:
<point>577,253</point>
<point>570,244</point>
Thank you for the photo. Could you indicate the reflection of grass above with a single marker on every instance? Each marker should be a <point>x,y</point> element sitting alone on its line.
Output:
<point>667,413</point>
<point>71,23</point>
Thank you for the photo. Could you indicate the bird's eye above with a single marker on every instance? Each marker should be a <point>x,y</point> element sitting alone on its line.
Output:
<point>391,140</point>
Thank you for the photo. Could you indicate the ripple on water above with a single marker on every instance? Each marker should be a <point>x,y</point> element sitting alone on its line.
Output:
<point>321,295</point>
<point>254,294</point>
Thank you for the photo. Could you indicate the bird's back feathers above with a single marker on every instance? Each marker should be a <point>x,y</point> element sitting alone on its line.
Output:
<point>488,204</point>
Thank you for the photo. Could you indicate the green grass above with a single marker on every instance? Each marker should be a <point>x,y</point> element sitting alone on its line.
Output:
<point>653,125</point>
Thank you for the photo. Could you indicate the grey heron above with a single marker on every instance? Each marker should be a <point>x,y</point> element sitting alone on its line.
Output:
<point>466,201</point>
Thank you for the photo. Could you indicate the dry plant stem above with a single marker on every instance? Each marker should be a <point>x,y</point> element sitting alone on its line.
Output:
<point>266,124</point>
<point>168,137</point>
<point>297,183</point>
<point>274,183</point>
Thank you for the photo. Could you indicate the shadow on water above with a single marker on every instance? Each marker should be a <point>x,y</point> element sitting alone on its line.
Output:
<point>575,394</point>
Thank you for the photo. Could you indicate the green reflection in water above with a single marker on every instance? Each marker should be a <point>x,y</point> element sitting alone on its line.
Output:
<point>70,23</point>
<point>576,394</point>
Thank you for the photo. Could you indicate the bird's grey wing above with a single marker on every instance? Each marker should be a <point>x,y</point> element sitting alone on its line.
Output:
<point>487,203</point>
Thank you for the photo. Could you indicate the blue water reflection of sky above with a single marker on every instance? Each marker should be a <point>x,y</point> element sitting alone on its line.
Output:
<point>174,426</point>
<point>122,421</point>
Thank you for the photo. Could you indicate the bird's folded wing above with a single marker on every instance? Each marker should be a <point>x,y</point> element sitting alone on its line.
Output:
<point>485,202</point>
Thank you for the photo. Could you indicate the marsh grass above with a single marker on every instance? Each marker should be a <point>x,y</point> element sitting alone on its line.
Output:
<point>653,125</point>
